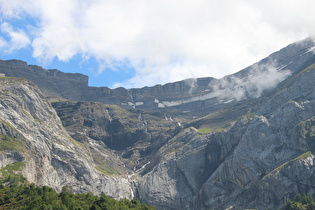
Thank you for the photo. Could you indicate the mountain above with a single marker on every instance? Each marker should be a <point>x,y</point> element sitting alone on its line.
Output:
<point>257,162</point>
<point>200,92</point>
<point>243,141</point>
<point>32,133</point>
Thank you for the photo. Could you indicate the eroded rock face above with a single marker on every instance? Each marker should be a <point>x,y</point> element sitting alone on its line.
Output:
<point>187,161</point>
<point>259,162</point>
<point>150,142</point>
<point>130,136</point>
<point>51,156</point>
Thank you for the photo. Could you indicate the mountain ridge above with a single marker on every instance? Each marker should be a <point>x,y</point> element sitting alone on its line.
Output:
<point>243,141</point>
<point>181,97</point>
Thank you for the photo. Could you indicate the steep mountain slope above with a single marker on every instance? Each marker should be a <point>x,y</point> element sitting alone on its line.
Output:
<point>32,133</point>
<point>274,141</point>
<point>242,141</point>
<point>131,134</point>
<point>259,161</point>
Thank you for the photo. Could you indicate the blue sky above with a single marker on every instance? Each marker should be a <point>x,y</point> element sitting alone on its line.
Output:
<point>140,43</point>
<point>77,65</point>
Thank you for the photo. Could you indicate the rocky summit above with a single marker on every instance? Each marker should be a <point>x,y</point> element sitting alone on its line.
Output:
<point>244,141</point>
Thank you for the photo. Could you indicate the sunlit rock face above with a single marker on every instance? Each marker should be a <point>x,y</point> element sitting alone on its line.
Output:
<point>251,164</point>
<point>242,141</point>
<point>33,133</point>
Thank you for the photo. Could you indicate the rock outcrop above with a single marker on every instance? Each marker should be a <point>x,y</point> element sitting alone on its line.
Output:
<point>32,132</point>
<point>264,158</point>
<point>243,141</point>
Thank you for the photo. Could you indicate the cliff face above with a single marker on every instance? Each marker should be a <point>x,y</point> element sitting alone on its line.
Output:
<point>133,135</point>
<point>243,141</point>
<point>262,159</point>
<point>52,83</point>
<point>32,133</point>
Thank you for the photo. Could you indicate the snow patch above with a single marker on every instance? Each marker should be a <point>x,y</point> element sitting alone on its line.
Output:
<point>139,103</point>
<point>228,101</point>
<point>161,105</point>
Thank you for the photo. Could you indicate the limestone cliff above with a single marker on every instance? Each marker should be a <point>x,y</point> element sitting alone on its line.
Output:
<point>257,162</point>
<point>33,133</point>
<point>129,137</point>
<point>243,141</point>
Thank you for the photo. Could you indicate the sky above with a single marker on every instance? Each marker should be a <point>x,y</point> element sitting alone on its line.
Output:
<point>137,43</point>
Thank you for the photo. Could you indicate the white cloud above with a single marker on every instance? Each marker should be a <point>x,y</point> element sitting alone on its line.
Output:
<point>3,42</point>
<point>259,78</point>
<point>17,38</point>
<point>165,40</point>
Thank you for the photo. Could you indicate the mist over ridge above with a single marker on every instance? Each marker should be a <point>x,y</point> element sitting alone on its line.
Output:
<point>243,141</point>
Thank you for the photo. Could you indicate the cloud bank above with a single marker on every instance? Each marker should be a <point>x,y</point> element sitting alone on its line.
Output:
<point>163,41</point>
<point>260,78</point>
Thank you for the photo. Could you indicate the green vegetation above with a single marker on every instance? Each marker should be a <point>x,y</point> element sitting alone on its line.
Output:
<point>301,157</point>
<point>204,130</point>
<point>219,129</point>
<point>133,119</point>
<point>9,143</point>
<point>102,164</point>
<point>14,142</point>
<point>300,202</point>
<point>6,124</point>
<point>106,170</point>
<point>13,79</point>
<point>28,196</point>
<point>16,193</point>
<point>11,174</point>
